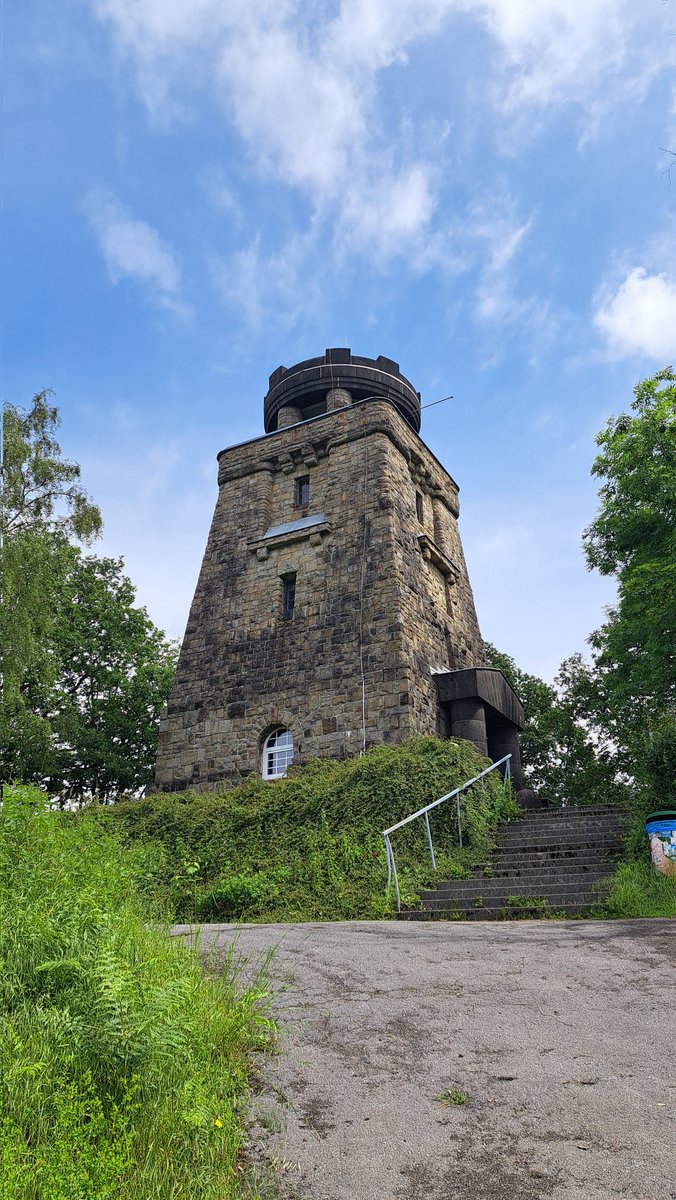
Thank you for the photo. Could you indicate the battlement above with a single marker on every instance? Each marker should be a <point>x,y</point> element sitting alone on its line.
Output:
<point>338,378</point>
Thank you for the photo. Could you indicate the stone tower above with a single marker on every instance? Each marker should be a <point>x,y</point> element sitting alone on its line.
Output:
<point>333,609</point>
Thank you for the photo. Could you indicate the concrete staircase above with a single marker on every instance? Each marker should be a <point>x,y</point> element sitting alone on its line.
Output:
<point>545,863</point>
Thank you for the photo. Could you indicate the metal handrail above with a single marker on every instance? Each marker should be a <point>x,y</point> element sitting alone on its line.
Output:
<point>424,812</point>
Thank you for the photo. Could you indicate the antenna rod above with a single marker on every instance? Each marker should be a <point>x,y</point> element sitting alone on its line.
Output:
<point>433,402</point>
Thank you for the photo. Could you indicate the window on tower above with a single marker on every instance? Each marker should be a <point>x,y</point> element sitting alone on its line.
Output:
<point>289,582</point>
<point>302,490</point>
<point>419,506</point>
<point>277,754</point>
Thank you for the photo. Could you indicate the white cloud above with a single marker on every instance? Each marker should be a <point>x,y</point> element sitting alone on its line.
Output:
<point>399,208</point>
<point>299,87</point>
<point>556,51</point>
<point>498,234</point>
<point>302,84</point>
<point>638,317</point>
<point>133,249</point>
<point>501,234</point>
<point>270,287</point>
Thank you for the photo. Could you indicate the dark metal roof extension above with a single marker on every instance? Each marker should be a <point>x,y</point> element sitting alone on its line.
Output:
<point>484,683</point>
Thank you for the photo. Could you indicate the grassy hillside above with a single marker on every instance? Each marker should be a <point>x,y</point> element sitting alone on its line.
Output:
<point>124,1067</point>
<point>308,847</point>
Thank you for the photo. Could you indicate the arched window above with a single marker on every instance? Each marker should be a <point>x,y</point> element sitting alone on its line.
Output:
<point>277,754</point>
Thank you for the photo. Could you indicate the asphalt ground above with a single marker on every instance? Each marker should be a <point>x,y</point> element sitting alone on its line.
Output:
<point>453,1060</point>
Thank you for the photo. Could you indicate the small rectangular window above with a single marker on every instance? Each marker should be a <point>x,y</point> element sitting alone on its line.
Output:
<point>289,596</point>
<point>419,506</point>
<point>302,491</point>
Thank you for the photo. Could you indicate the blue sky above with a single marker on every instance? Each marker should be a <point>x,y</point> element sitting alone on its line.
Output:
<point>199,190</point>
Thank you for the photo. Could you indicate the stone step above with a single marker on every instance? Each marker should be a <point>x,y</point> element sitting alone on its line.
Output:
<point>562,826</point>
<point>573,810</point>
<point>544,867</point>
<point>559,831</point>
<point>536,854</point>
<point>604,822</point>
<point>512,852</point>
<point>521,883</point>
<point>495,897</point>
<point>542,856</point>
<point>561,909</point>
<point>566,815</point>
<point>527,844</point>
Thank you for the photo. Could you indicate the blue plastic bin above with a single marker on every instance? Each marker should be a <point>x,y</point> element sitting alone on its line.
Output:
<point>661,830</point>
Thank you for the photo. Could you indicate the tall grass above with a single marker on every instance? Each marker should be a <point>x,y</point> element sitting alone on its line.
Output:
<point>124,1067</point>
<point>637,889</point>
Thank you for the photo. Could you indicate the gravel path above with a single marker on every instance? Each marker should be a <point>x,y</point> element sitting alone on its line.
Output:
<point>559,1036</point>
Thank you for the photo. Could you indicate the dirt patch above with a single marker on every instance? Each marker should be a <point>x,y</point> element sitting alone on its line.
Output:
<point>316,1115</point>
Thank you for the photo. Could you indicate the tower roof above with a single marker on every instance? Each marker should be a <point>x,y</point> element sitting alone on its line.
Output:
<point>305,385</point>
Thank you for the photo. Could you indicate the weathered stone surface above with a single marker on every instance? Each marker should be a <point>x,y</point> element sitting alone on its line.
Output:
<point>382,596</point>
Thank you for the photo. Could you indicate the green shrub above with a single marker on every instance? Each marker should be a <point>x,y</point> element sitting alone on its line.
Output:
<point>637,889</point>
<point>124,1067</point>
<point>309,847</point>
<point>235,894</point>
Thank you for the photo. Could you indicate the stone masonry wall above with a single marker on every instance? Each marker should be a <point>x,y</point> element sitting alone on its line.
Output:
<point>371,600</point>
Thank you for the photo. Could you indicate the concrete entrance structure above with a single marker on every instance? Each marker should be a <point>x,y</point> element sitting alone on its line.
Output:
<point>484,708</point>
<point>333,609</point>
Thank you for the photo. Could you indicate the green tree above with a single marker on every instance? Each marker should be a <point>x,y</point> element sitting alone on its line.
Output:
<point>44,507</point>
<point>561,757</point>
<point>633,539</point>
<point>115,672</point>
<point>85,672</point>
<point>41,490</point>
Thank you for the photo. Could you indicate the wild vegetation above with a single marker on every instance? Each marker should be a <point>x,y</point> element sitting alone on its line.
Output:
<point>309,847</point>
<point>606,731</point>
<point>638,890</point>
<point>562,758</point>
<point>85,673</point>
<point>124,1066</point>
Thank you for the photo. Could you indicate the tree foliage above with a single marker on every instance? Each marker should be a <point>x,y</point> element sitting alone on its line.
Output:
<point>43,508</point>
<point>42,489</point>
<point>560,757</point>
<point>85,673</point>
<point>633,538</point>
<point>102,703</point>
<point>607,729</point>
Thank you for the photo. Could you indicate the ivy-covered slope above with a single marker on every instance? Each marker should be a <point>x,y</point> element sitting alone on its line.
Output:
<point>309,847</point>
